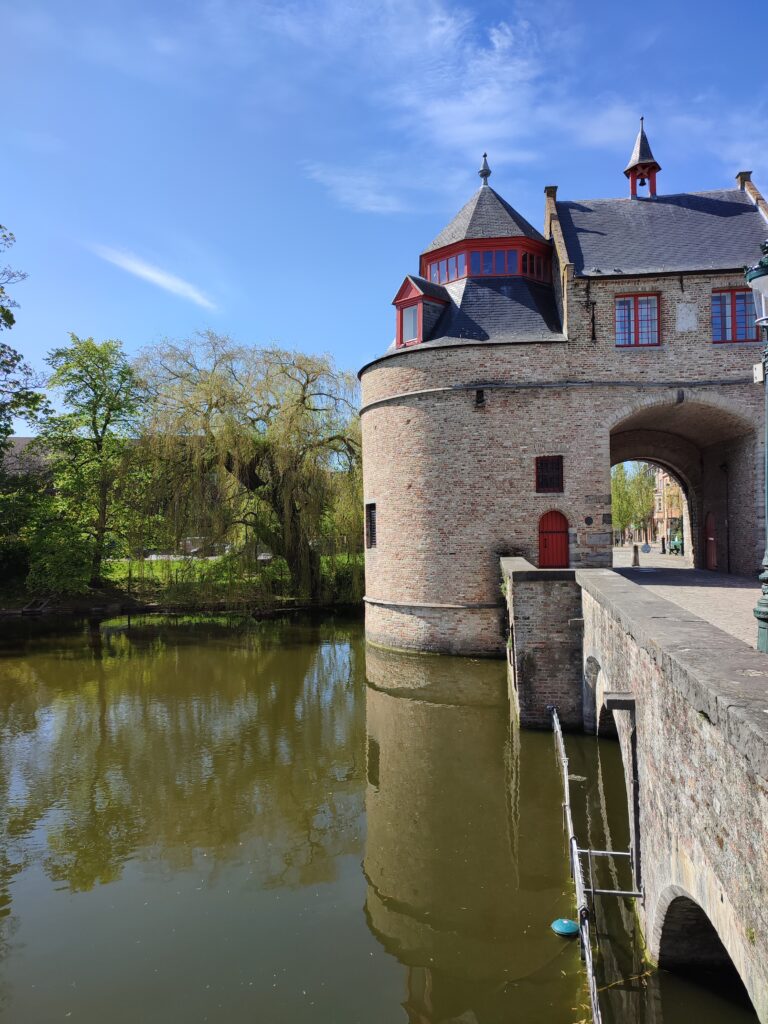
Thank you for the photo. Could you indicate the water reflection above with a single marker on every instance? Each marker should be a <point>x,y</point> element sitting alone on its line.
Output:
<point>631,991</point>
<point>464,853</point>
<point>145,764</point>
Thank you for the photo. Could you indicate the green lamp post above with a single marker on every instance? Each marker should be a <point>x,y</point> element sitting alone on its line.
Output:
<point>757,279</point>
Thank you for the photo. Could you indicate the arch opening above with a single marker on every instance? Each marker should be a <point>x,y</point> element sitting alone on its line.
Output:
<point>691,947</point>
<point>712,453</point>
<point>667,519</point>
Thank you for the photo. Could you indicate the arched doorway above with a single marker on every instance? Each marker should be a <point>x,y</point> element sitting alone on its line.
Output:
<point>553,541</point>
<point>710,540</point>
<point>709,446</point>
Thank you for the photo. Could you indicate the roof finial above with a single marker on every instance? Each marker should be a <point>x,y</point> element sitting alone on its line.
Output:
<point>485,170</point>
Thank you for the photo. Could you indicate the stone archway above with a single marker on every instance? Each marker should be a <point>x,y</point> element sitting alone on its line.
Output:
<point>685,941</point>
<point>712,449</point>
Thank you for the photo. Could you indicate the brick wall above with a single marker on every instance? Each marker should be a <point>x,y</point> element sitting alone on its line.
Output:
<point>454,483</point>
<point>544,653</point>
<point>702,764</point>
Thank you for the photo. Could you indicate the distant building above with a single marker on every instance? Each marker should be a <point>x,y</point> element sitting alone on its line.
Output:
<point>668,508</point>
<point>526,363</point>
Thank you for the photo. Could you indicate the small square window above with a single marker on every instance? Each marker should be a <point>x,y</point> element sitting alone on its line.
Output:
<point>474,263</point>
<point>370,525</point>
<point>488,262</point>
<point>511,261</point>
<point>549,474</point>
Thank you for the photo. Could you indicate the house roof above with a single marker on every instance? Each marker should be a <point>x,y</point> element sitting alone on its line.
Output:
<point>500,309</point>
<point>719,230</point>
<point>428,288</point>
<point>486,215</point>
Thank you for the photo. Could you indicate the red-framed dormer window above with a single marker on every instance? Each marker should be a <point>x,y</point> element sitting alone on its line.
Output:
<point>733,315</point>
<point>409,321</point>
<point>637,320</point>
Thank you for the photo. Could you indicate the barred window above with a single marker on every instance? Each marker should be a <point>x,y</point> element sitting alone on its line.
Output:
<point>370,525</point>
<point>637,320</point>
<point>733,315</point>
<point>549,474</point>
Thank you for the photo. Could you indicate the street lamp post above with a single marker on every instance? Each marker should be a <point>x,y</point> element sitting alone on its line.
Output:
<point>757,279</point>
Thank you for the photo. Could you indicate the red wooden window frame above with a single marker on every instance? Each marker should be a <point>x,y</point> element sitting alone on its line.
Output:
<point>537,258</point>
<point>733,292</point>
<point>636,319</point>
<point>548,466</point>
<point>400,341</point>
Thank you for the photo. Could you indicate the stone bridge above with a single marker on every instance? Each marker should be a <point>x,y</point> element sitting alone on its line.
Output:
<point>689,704</point>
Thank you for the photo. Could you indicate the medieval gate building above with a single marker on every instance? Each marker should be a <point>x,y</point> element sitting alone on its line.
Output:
<point>525,364</point>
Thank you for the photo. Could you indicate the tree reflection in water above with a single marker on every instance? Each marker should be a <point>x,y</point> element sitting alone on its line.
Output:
<point>166,740</point>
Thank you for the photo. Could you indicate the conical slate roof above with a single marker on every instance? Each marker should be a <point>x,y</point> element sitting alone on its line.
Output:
<point>486,215</point>
<point>641,154</point>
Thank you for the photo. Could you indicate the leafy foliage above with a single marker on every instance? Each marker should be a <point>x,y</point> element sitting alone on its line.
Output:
<point>88,447</point>
<point>264,444</point>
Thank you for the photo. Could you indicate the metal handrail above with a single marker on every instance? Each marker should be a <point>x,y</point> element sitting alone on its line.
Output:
<point>577,873</point>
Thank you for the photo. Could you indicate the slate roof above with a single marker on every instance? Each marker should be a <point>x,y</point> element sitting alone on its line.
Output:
<point>486,215</point>
<point>508,309</point>
<point>719,230</point>
<point>429,288</point>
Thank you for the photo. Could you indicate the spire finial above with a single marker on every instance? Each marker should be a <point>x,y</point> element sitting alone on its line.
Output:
<point>485,170</point>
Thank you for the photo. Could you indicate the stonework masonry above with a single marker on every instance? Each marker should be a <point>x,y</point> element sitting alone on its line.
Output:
<point>452,428</point>
<point>702,767</point>
<point>699,732</point>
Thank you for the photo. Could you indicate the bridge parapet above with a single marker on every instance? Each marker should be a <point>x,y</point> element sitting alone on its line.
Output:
<point>691,712</point>
<point>695,753</point>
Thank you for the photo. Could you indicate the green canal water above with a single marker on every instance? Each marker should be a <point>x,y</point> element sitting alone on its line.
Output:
<point>212,819</point>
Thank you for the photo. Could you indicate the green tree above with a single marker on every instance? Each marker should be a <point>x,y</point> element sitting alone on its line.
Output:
<point>88,447</point>
<point>19,394</point>
<point>642,488</point>
<point>621,499</point>
<point>8,276</point>
<point>256,435</point>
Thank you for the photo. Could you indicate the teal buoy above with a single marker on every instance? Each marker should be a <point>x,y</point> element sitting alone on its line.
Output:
<point>565,927</point>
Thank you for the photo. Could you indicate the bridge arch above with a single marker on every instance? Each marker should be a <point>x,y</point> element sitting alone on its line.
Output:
<point>711,447</point>
<point>685,941</point>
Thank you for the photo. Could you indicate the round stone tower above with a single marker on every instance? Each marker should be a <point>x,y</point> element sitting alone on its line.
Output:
<point>448,458</point>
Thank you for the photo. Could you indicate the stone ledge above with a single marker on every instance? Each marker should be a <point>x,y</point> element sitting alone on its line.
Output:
<point>518,569</point>
<point>719,676</point>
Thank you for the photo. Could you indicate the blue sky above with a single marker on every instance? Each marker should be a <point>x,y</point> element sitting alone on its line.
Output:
<point>272,170</point>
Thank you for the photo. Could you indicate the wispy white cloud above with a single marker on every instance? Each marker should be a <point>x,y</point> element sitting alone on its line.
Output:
<point>364,191</point>
<point>155,275</point>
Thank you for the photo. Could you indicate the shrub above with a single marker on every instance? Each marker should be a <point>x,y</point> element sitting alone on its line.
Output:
<point>59,560</point>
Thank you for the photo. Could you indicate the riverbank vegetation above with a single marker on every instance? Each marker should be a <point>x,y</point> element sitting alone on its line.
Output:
<point>205,472</point>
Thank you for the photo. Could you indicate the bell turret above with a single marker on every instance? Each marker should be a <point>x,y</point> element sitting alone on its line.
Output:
<point>642,166</point>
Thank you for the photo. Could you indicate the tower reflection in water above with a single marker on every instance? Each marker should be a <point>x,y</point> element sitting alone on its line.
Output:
<point>465,859</point>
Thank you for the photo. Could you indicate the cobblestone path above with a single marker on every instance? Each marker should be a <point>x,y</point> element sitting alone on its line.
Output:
<point>725,601</point>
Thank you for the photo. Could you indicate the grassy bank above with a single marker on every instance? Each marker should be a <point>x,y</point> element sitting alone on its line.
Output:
<point>200,583</point>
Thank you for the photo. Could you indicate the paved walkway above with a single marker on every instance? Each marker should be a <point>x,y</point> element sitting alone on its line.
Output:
<point>724,600</point>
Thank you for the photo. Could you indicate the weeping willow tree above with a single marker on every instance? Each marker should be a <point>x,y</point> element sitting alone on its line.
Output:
<point>254,444</point>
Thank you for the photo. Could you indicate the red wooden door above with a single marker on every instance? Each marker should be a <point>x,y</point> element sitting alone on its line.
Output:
<point>553,541</point>
<point>711,540</point>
